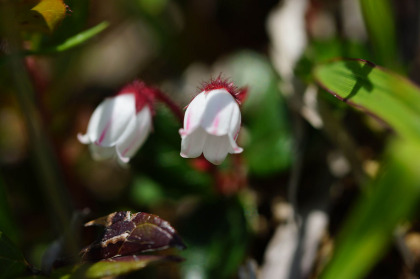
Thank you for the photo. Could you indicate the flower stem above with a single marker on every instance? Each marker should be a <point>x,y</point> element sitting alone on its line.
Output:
<point>176,110</point>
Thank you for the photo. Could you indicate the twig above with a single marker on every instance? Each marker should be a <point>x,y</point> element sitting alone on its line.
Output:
<point>176,110</point>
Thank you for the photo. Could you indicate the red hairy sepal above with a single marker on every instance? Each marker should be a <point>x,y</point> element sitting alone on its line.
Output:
<point>239,94</point>
<point>144,95</point>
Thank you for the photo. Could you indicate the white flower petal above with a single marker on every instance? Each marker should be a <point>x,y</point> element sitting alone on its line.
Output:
<point>216,149</point>
<point>211,126</point>
<point>134,135</point>
<point>192,145</point>
<point>194,113</point>
<point>110,118</point>
<point>235,122</point>
<point>83,138</point>
<point>221,112</point>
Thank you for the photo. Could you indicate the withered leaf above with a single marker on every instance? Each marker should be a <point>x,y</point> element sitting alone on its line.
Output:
<point>39,15</point>
<point>129,233</point>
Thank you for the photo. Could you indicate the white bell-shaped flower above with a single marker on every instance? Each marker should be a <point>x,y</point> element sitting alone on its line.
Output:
<point>211,125</point>
<point>118,127</point>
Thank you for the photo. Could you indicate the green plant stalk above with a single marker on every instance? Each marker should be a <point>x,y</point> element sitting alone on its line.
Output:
<point>339,135</point>
<point>7,224</point>
<point>379,21</point>
<point>44,159</point>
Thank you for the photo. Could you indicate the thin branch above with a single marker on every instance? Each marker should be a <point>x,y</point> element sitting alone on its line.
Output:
<point>176,110</point>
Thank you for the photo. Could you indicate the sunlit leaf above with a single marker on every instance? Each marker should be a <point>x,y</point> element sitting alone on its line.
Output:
<point>396,101</point>
<point>115,266</point>
<point>370,227</point>
<point>379,92</point>
<point>40,15</point>
<point>12,262</point>
<point>123,265</point>
<point>128,234</point>
<point>76,40</point>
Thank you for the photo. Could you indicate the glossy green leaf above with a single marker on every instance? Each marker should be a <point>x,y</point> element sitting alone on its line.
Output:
<point>396,101</point>
<point>379,92</point>
<point>12,262</point>
<point>113,267</point>
<point>370,227</point>
<point>379,20</point>
<point>121,265</point>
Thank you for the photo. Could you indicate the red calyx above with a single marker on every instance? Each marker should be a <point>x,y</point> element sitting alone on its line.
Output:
<point>143,94</point>
<point>239,94</point>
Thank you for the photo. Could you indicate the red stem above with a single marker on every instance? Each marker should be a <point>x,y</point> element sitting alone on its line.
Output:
<point>176,110</point>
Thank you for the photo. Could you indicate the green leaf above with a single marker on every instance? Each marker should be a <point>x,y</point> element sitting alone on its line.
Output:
<point>12,262</point>
<point>380,23</point>
<point>380,92</point>
<point>81,37</point>
<point>74,41</point>
<point>121,265</point>
<point>112,267</point>
<point>396,101</point>
<point>370,227</point>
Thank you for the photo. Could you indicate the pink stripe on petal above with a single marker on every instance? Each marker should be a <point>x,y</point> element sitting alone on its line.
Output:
<point>131,144</point>
<point>236,135</point>
<point>102,137</point>
<point>188,124</point>
<point>142,131</point>
<point>216,123</point>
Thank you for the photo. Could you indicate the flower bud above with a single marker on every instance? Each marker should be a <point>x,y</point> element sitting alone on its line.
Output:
<point>212,122</point>
<point>119,125</point>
